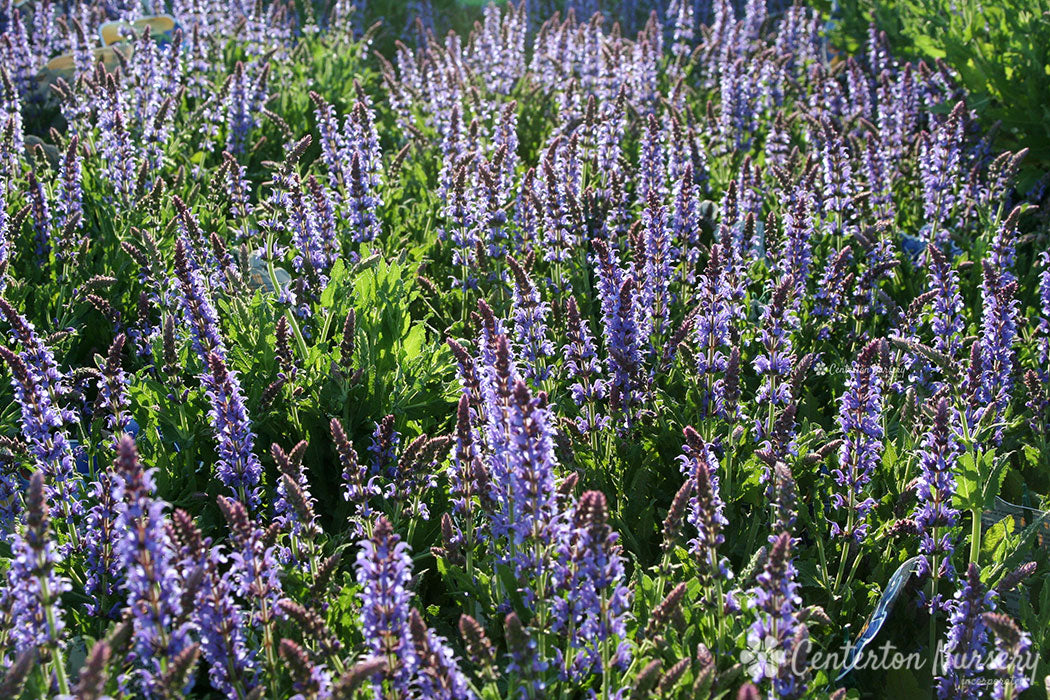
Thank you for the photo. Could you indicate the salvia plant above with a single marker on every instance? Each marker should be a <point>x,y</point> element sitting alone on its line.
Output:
<point>543,349</point>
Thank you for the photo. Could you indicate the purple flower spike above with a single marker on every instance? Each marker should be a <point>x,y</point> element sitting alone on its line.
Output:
<point>860,419</point>
<point>384,569</point>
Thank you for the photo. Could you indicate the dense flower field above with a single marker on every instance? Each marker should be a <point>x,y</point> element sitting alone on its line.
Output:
<point>663,352</point>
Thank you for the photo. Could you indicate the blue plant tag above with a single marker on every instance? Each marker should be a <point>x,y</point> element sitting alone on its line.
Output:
<point>881,612</point>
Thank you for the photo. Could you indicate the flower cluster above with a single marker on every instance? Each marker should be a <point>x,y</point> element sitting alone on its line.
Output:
<point>610,350</point>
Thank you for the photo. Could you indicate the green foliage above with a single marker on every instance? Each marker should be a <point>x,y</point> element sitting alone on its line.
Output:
<point>1000,49</point>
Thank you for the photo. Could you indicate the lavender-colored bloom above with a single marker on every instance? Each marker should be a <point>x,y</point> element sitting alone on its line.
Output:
<point>776,359</point>
<point>584,368</point>
<point>384,569</point>
<point>559,194</point>
<point>466,480</point>
<point>860,419</point>
<point>104,575</point>
<point>414,474</point>
<point>454,153</point>
<point>1044,316</point>
<point>778,142</point>
<point>524,660</point>
<point>42,427</point>
<point>244,102</point>
<point>595,599</point>
<point>490,46</point>
<point>362,203</point>
<point>947,322</point>
<point>940,164</point>
<point>385,440</point>
<point>361,137</point>
<point>521,461</point>
<point>879,172</point>
<point>324,210</point>
<point>119,155</point>
<point>1002,252</point>
<point>620,326</point>
<point>642,71</point>
<point>706,508</point>
<point>651,166</point>
<point>655,296</point>
<point>69,206</point>
<point>312,258</point>
<point>237,467</point>
<point>999,331</point>
<point>358,485</point>
<point>330,141</point>
<point>361,172</point>
<point>5,241</point>
<point>611,128</point>
<point>530,462</point>
<point>1013,650</point>
<point>11,108</point>
<point>505,140</point>
<point>713,324</point>
<point>196,303</point>
<point>684,231</point>
<point>934,514</point>
<point>530,324</point>
<point>827,99</point>
<point>238,193</point>
<point>878,57</point>
<point>775,604</point>
<point>797,256</point>
<point>223,628</point>
<point>831,288</point>
<point>147,558</point>
<point>459,211</point>
<point>859,87</point>
<point>736,118</point>
<point>113,390</point>
<point>294,507</point>
<point>148,92</point>
<point>680,15</point>
<point>34,585</point>
<point>880,260</point>
<point>255,571</point>
<point>748,238</point>
<point>438,673</point>
<point>838,190</point>
<point>38,358</point>
<point>967,638</point>
<point>41,211</point>
<point>489,215</point>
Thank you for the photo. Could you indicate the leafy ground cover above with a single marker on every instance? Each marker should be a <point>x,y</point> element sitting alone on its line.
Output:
<point>1000,52</point>
<point>664,352</point>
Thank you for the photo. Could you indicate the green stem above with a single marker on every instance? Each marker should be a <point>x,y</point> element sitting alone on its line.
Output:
<point>933,616</point>
<point>299,339</point>
<point>605,658</point>
<point>56,652</point>
<point>975,537</point>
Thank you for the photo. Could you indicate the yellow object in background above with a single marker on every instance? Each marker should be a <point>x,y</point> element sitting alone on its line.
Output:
<point>113,32</point>
<point>64,66</point>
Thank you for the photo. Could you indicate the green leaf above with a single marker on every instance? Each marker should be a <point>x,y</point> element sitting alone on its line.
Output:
<point>413,342</point>
<point>968,484</point>
<point>903,684</point>
<point>1031,455</point>
<point>992,471</point>
<point>509,583</point>
<point>995,547</point>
